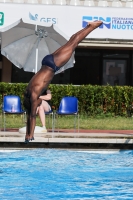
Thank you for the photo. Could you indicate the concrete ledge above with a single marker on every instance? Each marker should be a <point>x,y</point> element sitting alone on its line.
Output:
<point>74,143</point>
<point>90,140</point>
<point>68,140</point>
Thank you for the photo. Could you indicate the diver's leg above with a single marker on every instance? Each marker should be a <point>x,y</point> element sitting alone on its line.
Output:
<point>34,104</point>
<point>27,126</point>
<point>27,106</point>
<point>63,54</point>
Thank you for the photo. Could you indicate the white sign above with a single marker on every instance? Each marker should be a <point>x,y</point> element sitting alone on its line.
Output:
<point>117,22</point>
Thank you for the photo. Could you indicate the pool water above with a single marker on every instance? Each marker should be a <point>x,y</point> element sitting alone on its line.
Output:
<point>46,174</point>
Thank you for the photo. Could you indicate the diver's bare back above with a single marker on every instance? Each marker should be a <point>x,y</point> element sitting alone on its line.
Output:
<point>40,80</point>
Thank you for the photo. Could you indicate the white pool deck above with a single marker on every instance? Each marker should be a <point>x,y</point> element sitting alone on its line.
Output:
<point>71,137</point>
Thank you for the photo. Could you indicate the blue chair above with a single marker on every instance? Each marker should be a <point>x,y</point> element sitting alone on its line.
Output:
<point>12,105</point>
<point>50,113</point>
<point>68,106</point>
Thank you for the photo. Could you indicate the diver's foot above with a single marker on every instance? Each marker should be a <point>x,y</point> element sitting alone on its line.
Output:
<point>32,138</point>
<point>27,140</point>
<point>95,24</point>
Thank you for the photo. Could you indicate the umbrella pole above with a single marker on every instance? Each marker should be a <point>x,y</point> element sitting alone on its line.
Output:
<point>36,53</point>
<point>36,60</point>
<point>36,28</point>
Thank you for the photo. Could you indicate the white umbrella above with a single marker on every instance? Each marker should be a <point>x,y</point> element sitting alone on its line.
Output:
<point>25,44</point>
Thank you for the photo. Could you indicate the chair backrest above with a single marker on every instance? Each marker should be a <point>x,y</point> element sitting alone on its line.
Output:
<point>68,105</point>
<point>12,103</point>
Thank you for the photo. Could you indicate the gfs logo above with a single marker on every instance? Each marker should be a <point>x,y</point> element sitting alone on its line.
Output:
<point>36,17</point>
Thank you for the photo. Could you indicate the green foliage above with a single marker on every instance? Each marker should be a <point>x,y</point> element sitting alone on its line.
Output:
<point>93,100</point>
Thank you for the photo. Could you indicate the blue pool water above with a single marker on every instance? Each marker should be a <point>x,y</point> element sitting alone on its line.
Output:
<point>46,174</point>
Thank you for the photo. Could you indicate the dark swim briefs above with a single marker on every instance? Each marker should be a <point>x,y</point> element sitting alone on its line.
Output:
<point>49,61</point>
